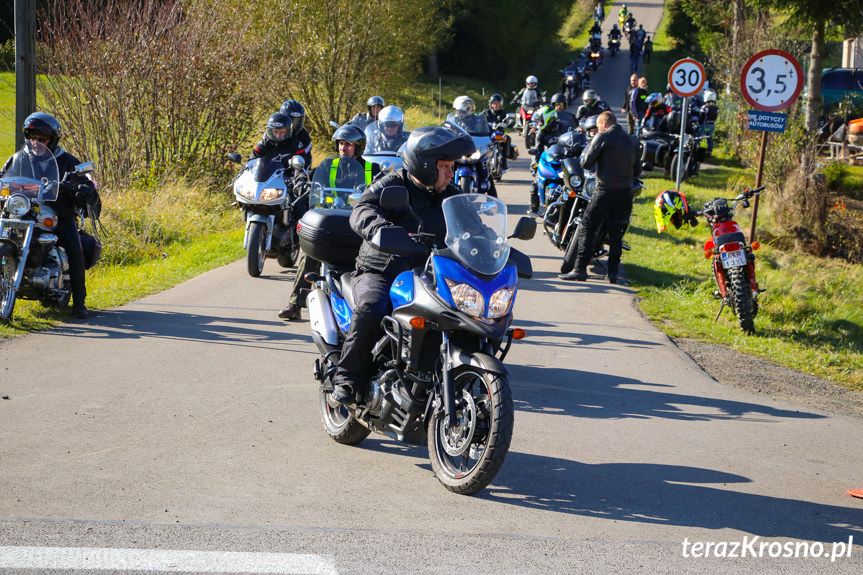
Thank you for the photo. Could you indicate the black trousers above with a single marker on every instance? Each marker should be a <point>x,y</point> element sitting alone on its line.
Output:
<point>373,303</point>
<point>68,238</point>
<point>615,206</point>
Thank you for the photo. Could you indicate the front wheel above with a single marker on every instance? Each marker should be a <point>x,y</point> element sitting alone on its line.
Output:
<point>571,252</point>
<point>741,299</point>
<point>465,184</point>
<point>257,251</point>
<point>525,128</point>
<point>466,456</point>
<point>289,258</point>
<point>8,267</point>
<point>685,174</point>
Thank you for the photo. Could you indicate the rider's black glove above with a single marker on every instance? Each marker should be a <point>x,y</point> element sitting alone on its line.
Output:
<point>69,188</point>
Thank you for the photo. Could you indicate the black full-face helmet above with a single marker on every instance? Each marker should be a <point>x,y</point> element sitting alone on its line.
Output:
<point>44,125</point>
<point>428,144</point>
<point>558,99</point>
<point>278,127</point>
<point>495,98</point>
<point>297,114</point>
<point>350,133</point>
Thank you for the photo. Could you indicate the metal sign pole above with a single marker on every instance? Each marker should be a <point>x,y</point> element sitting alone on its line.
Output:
<point>679,174</point>
<point>758,175</point>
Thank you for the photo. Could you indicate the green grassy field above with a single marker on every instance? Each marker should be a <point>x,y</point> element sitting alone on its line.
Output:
<point>7,114</point>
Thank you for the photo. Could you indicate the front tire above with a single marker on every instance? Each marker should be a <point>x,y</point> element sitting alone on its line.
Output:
<point>289,258</point>
<point>465,184</point>
<point>571,252</point>
<point>741,299</point>
<point>466,457</point>
<point>685,174</point>
<point>8,267</point>
<point>257,253</point>
<point>339,423</point>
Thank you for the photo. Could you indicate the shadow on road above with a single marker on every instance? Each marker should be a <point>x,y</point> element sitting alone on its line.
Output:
<point>664,495</point>
<point>593,395</point>
<point>126,323</point>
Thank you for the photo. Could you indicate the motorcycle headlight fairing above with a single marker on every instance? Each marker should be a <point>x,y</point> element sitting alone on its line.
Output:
<point>245,190</point>
<point>271,194</point>
<point>18,205</point>
<point>467,299</point>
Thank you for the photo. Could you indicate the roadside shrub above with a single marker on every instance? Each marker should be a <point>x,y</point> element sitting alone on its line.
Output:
<point>7,56</point>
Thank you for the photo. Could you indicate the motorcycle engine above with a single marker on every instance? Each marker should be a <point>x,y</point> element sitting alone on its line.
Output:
<point>379,387</point>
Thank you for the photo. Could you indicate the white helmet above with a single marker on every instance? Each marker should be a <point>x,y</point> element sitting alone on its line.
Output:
<point>463,104</point>
<point>709,96</point>
<point>531,80</point>
<point>392,116</point>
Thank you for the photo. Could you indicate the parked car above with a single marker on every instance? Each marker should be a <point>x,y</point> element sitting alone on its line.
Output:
<point>842,85</point>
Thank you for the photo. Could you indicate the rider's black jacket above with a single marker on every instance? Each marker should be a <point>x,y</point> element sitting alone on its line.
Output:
<point>584,111</point>
<point>67,199</point>
<point>614,154</point>
<point>494,117</point>
<point>368,216</point>
<point>299,145</point>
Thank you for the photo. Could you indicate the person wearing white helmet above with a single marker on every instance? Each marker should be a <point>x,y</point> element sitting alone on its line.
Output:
<point>375,104</point>
<point>387,134</point>
<point>530,95</point>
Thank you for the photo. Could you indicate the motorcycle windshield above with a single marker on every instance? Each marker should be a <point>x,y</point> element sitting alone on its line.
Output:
<point>473,124</point>
<point>337,181</point>
<point>263,168</point>
<point>33,173</point>
<point>530,99</point>
<point>476,232</point>
<point>381,141</point>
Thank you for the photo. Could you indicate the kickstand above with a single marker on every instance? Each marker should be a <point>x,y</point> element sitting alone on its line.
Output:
<point>721,307</point>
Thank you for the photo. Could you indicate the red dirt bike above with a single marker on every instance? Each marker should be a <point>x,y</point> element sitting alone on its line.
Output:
<point>732,258</point>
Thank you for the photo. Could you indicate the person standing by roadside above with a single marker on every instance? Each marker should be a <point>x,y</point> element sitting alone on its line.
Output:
<point>648,49</point>
<point>627,103</point>
<point>638,105</point>
<point>614,155</point>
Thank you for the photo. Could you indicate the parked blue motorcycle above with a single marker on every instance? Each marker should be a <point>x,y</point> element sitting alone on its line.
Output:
<point>440,378</point>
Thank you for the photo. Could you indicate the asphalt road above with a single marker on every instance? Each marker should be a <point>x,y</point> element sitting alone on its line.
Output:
<point>181,433</point>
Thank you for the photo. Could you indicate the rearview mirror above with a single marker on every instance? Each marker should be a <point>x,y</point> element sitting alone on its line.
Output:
<point>234,157</point>
<point>525,229</point>
<point>298,163</point>
<point>394,197</point>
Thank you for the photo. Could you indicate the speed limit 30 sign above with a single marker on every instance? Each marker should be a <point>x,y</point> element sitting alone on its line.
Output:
<point>686,77</point>
<point>771,80</point>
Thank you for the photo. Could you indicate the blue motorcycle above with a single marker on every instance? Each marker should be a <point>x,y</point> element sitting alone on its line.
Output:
<point>473,173</point>
<point>440,378</point>
<point>550,178</point>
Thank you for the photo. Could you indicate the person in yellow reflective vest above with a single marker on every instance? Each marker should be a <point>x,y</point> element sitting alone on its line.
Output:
<point>350,142</point>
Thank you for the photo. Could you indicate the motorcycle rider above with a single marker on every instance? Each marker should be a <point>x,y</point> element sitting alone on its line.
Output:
<point>464,115</point>
<point>496,115</point>
<point>656,117</point>
<point>555,122</point>
<point>614,154</point>
<point>709,113</point>
<point>429,157</point>
<point>285,134</point>
<point>387,134</point>
<point>44,132</point>
<point>375,105</point>
<point>350,142</point>
<point>530,95</point>
<point>614,34</point>
<point>591,105</point>
<point>672,100</point>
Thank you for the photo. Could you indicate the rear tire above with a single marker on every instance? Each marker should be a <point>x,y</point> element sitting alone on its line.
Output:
<point>256,253</point>
<point>8,267</point>
<point>465,458</point>
<point>289,258</point>
<point>339,423</point>
<point>741,299</point>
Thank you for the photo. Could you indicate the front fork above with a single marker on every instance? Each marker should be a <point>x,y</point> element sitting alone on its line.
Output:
<point>24,250</point>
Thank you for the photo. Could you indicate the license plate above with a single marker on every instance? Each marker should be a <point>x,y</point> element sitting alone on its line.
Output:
<point>733,259</point>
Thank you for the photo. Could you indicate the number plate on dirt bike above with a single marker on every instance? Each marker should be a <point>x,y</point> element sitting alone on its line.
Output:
<point>733,259</point>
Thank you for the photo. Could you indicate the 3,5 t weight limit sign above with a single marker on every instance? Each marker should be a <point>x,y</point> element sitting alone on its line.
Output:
<point>686,77</point>
<point>771,80</point>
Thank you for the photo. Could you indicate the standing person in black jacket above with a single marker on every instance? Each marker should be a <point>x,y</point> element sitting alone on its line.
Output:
<point>429,156</point>
<point>75,191</point>
<point>627,104</point>
<point>614,155</point>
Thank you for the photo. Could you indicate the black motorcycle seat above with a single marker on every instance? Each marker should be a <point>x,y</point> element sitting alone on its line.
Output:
<point>347,281</point>
<point>723,239</point>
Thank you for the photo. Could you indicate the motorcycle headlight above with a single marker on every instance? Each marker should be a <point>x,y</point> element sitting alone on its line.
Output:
<point>245,191</point>
<point>18,205</point>
<point>499,304</point>
<point>476,155</point>
<point>270,194</point>
<point>570,78</point>
<point>467,299</point>
<point>574,181</point>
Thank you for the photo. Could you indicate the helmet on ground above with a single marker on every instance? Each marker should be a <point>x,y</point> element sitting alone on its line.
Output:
<point>495,98</point>
<point>670,207</point>
<point>43,125</point>
<point>392,116</point>
<point>589,97</point>
<point>558,99</point>
<point>278,127</point>
<point>653,99</point>
<point>463,104</point>
<point>531,82</point>
<point>428,144</point>
<point>709,96</point>
<point>375,101</point>
<point>352,134</point>
<point>297,114</point>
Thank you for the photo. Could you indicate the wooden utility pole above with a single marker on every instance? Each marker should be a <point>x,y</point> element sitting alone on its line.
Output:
<point>25,65</point>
